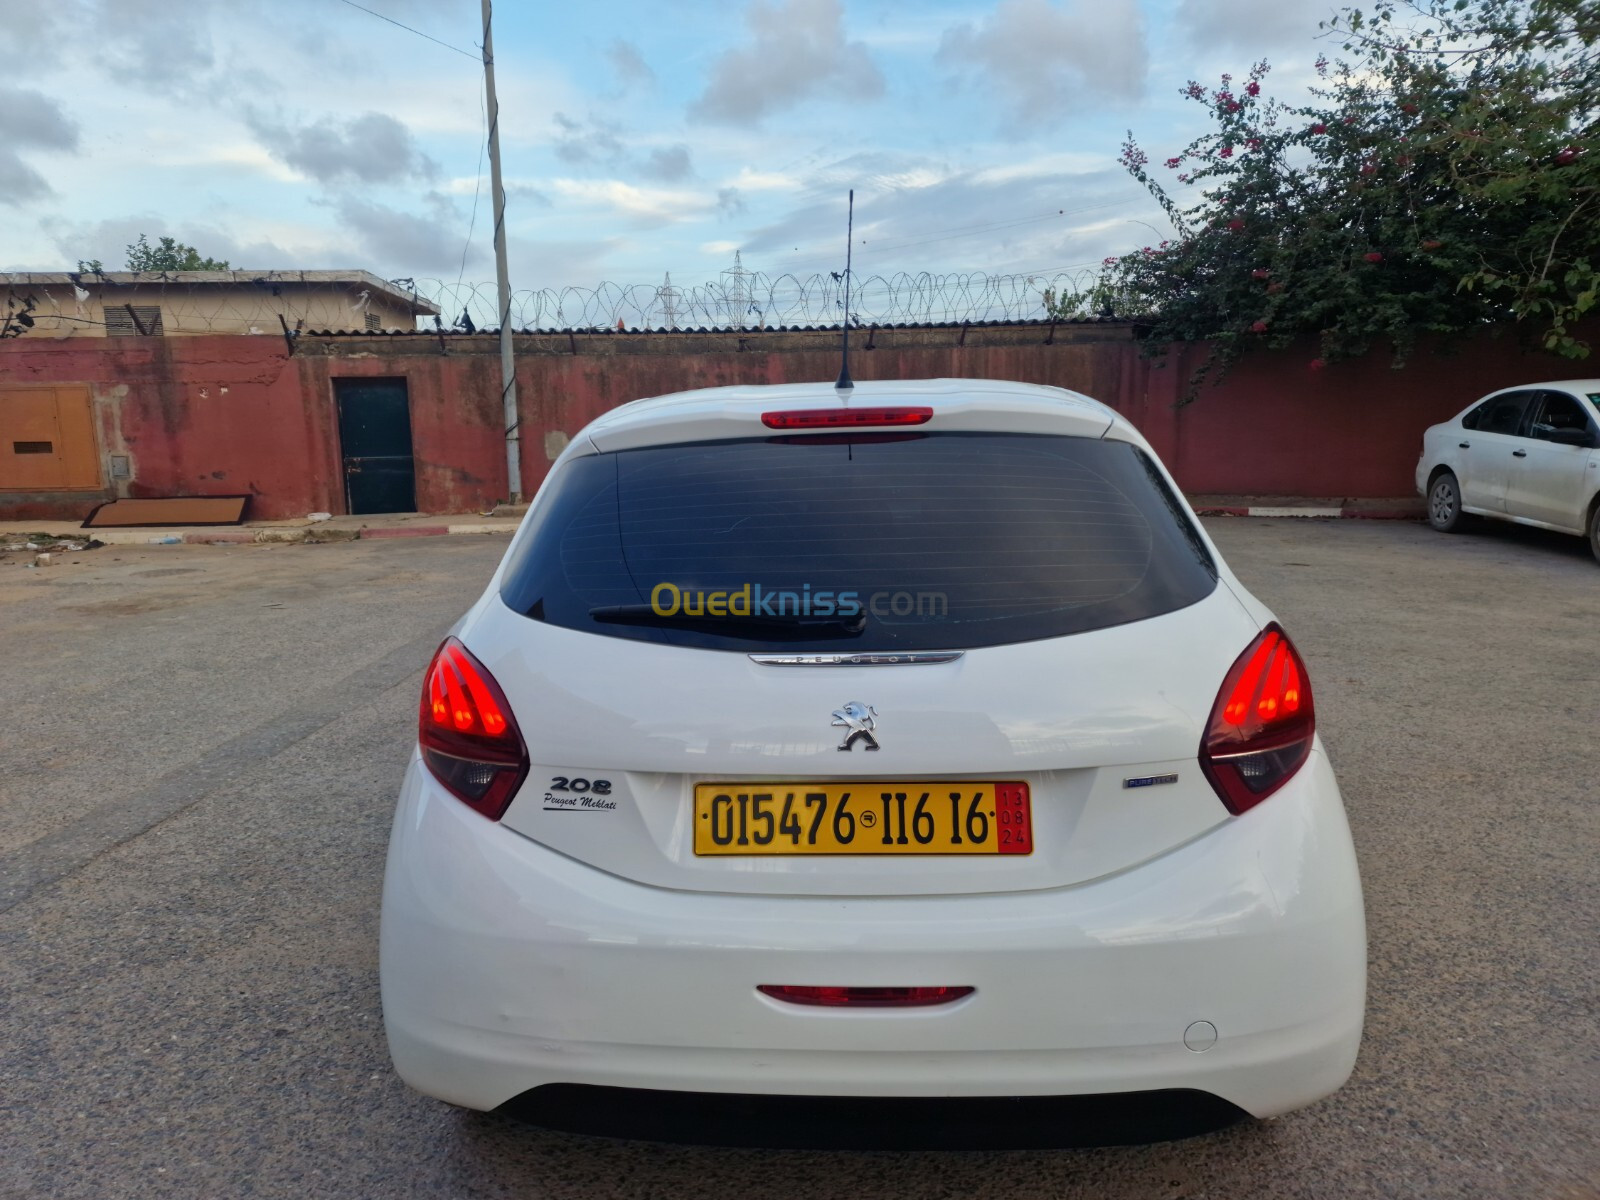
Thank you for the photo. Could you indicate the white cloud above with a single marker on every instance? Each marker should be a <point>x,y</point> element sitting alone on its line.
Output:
<point>558,264</point>
<point>1043,55</point>
<point>797,51</point>
<point>651,205</point>
<point>629,65</point>
<point>249,155</point>
<point>1040,165</point>
<point>162,45</point>
<point>1253,26</point>
<point>397,242</point>
<point>579,143</point>
<point>371,148</point>
<point>669,164</point>
<point>29,118</point>
<point>750,180</point>
<point>1043,213</point>
<point>280,246</point>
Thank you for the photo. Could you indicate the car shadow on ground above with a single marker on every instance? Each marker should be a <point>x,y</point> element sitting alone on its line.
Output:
<point>496,1155</point>
<point>1490,532</point>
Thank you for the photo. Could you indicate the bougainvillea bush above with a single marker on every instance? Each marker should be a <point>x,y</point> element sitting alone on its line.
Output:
<point>1445,180</point>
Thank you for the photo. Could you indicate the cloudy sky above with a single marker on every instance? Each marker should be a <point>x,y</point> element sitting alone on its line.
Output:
<point>638,137</point>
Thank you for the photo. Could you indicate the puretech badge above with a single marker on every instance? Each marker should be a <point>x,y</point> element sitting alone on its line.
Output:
<point>860,719</point>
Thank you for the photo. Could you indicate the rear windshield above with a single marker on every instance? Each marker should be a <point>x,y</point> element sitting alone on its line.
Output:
<point>866,542</point>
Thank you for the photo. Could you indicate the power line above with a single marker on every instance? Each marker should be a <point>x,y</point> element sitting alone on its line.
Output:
<point>470,54</point>
<point>477,187</point>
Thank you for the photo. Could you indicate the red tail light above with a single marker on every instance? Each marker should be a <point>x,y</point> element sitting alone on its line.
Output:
<point>469,738</point>
<point>845,418</point>
<point>1262,723</point>
<point>863,997</point>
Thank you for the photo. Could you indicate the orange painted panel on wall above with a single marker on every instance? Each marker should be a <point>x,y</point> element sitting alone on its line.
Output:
<point>47,440</point>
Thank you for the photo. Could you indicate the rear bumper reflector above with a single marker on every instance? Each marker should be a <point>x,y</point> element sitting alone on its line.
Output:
<point>864,997</point>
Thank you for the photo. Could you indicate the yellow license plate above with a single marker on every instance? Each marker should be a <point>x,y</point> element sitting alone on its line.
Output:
<point>965,817</point>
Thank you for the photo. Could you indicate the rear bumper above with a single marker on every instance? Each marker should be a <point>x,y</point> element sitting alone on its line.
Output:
<point>508,967</point>
<point>875,1123</point>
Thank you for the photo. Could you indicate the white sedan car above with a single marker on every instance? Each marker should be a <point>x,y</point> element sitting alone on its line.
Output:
<point>909,754</point>
<point>1526,454</point>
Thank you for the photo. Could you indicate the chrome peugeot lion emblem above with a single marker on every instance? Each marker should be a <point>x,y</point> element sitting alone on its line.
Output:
<point>860,719</point>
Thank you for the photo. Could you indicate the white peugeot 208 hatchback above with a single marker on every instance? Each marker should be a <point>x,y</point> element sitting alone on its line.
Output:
<point>905,747</point>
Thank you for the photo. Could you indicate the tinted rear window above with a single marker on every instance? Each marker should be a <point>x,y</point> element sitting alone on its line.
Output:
<point>926,541</point>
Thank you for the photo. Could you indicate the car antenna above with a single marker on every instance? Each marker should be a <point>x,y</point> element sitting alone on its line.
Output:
<point>844,387</point>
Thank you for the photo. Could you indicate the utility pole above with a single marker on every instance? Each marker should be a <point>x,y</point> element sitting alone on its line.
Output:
<point>508,364</point>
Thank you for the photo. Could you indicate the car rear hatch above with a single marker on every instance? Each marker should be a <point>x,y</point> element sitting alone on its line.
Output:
<point>988,657</point>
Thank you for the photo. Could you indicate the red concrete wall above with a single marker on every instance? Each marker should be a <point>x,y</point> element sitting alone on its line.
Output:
<point>1273,427</point>
<point>564,392</point>
<point>195,416</point>
<point>1354,429</point>
<point>229,414</point>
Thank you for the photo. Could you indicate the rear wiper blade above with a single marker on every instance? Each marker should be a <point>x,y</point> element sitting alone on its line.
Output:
<point>792,625</point>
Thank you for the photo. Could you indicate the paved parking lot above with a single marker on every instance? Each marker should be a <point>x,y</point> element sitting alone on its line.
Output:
<point>197,761</point>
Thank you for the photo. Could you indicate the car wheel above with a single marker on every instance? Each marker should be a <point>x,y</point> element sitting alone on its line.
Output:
<point>1594,531</point>
<point>1444,504</point>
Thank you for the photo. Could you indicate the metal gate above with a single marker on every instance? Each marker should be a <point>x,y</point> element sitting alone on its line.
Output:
<point>375,439</point>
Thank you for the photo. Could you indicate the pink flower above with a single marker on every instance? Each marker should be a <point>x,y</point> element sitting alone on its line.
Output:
<point>1252,88</point>
<point>1226,152</point>
<point>1319,127</point>
<point>1194,91</point>
<point>1181,179</point>
<point>1316,364</point>
<point>1106,262</point>
<point>1260,273</point>
<point>1322,64</point>
<point>1372,256</point>
<point>1233,106</point>
<point>1253,143</point>
<point>1259,327</point>
<point>1431,245</point>
<point>1236,224</point>
<point>1174,163</point>
<point>1408,108</point>
<point>1567,155</point>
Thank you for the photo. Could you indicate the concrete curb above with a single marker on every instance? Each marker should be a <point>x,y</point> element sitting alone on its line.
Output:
<point>315,534</point>
<point>1346,513</point>
<point>405,531</point>
<point>311,534</point>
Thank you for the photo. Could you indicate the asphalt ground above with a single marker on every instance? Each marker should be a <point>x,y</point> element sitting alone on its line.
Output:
<point>198,755</point>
